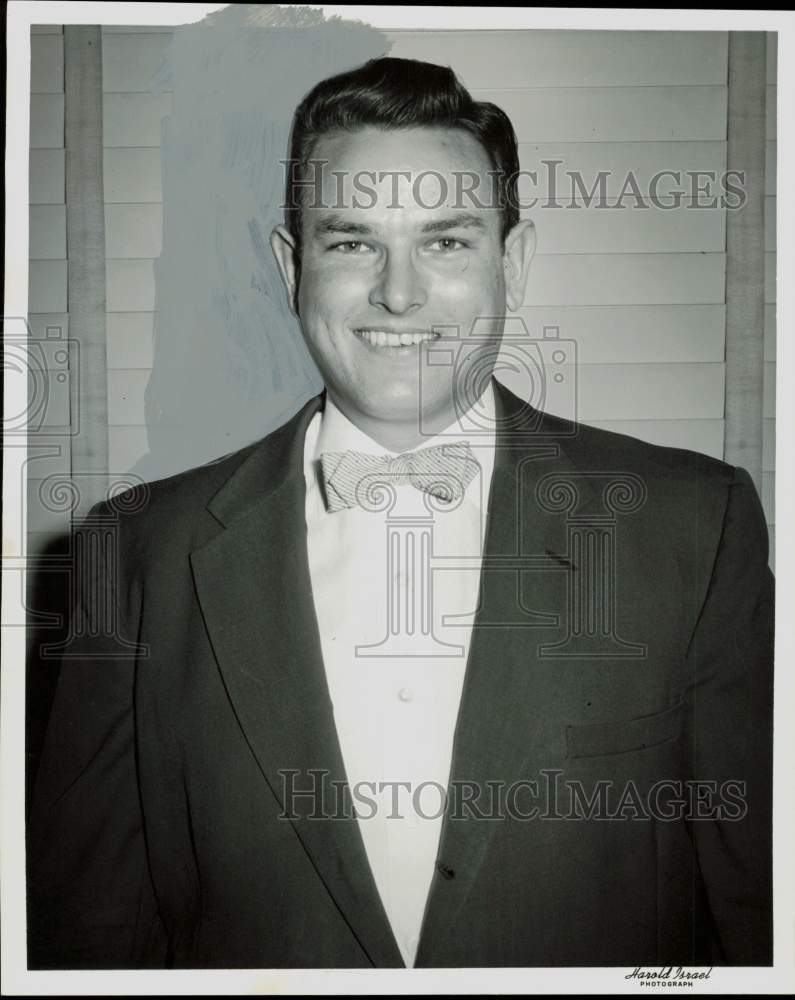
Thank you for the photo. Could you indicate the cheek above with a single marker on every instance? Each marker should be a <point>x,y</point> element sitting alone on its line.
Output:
<point>476,290</point>
<point>329,297</point>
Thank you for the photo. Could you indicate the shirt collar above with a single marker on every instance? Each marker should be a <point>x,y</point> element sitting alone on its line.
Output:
<point>335,432</point>
<point>331,430</point>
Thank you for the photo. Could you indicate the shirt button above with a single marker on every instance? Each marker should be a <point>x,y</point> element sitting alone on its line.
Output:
<point>406,694</point>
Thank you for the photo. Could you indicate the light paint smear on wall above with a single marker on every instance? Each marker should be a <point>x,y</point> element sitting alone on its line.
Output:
<point>230,364</point>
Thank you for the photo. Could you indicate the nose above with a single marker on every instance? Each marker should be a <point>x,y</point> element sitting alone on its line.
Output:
<point>399,287</point>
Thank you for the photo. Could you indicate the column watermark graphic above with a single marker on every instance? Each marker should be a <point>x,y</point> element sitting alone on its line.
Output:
<point>591,552</point>
<point>80,563</point>
<point>588,508</point>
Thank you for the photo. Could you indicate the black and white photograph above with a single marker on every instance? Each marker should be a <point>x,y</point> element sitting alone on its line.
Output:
<point>393,600</point>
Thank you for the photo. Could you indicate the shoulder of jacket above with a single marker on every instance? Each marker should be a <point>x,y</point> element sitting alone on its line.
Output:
<point>606,450</point>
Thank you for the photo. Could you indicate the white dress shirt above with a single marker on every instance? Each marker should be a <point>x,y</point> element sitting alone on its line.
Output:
<point>396,713</point>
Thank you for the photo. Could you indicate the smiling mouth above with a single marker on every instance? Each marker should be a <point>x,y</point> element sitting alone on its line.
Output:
<point>378,337</point>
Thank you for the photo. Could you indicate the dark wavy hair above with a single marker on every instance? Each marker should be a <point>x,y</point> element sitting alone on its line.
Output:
<point>391,93</point>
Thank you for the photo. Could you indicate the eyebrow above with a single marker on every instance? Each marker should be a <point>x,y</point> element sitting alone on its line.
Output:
<point>463,221</point>
<point>339,224</point>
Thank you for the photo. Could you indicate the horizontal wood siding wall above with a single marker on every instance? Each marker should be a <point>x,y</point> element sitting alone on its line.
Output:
<point>641,292</point>
<point>48,321</point>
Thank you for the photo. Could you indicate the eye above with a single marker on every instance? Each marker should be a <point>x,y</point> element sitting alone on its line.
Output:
<point>448,243</point>
<point>350,247</point>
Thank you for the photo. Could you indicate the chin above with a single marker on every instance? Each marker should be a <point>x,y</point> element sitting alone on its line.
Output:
<point>397,413</point>
<point>395,405</point>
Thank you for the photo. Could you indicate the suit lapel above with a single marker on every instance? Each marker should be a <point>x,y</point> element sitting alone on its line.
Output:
<point>255,592</point>
<point>494,731</point>
<point>267,645</point>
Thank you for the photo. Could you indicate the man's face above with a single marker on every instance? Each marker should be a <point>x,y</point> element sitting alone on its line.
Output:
<point>386,269</point>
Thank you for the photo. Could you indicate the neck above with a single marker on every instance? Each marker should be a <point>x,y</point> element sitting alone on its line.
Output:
<point>396,436</point>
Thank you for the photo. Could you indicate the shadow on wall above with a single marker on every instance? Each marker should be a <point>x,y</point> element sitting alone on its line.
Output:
<point>230,364</point>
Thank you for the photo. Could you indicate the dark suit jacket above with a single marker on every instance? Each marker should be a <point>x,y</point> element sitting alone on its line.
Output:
<point>156,839</point>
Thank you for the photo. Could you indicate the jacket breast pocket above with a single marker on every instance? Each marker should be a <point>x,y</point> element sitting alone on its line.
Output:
<point>624,735</point>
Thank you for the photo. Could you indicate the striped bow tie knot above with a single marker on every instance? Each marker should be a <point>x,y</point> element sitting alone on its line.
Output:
<point>356,478</point>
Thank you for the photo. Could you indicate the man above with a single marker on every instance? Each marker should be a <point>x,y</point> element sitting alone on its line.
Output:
<point>241,774</point>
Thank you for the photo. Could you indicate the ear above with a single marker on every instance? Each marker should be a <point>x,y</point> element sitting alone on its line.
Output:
<point>520,245</point>
<point>286,254</point>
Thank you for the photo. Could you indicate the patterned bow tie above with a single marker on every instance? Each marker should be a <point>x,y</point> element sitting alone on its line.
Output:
<point>354,478</point>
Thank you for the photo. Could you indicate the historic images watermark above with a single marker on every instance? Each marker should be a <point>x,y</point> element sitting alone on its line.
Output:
<point>313,794</point>
<point>590,506</point>
<point>315,187</point>
<point>547,369</point>
<point>43,371</point>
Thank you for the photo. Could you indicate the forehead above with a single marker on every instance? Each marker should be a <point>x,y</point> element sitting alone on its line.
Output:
<point>370,173</point>
<point>445,150</point>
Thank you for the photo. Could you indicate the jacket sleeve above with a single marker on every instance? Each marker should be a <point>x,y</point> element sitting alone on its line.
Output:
<point>91,903</point>
<point>729,716</point>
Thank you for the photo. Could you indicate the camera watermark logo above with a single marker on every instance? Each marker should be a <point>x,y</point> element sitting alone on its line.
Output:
<point>42,371</point>
<point>541,370</point>
<point>420,617</point>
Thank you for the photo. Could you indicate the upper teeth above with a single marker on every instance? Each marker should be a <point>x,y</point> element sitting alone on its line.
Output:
<point>381,338</point>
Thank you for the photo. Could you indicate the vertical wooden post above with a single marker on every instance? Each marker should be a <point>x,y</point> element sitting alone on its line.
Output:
<point>85,239</point>
<point>745,257</point>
